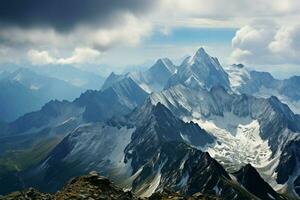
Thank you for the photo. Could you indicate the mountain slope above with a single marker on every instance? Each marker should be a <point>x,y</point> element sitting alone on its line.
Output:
<point>86,148</point>
<point>147,155</point>
<point>248,177</point>
<point>247,129</point>
<point>288,167</point>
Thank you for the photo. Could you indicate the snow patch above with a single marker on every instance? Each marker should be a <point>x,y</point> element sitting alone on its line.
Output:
<point>184,180</point>
<point>154,183</point>
<point>34,87</point>
<point>238,149</point>
<point>237,76</point>
<point>271,196</point>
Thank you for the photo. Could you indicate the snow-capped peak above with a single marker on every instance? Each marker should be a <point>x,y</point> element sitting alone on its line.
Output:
<point>165,62</point>
<point>202,70</point>
<point>201,52</point>
<point>200,56</point>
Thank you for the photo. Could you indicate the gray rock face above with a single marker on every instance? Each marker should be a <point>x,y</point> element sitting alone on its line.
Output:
<point>249,178</point>
<point>287,170</point>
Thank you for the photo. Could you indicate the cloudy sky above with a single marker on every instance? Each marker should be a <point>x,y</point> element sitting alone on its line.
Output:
<point>120,34</point>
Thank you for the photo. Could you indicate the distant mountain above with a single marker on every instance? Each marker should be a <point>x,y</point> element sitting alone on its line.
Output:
<point>201,70</point>
<point>16,100</point>
<point>91,106</point>
<point>111,79</point>
<point>118,99</point>
<point>23,91</point>
<point>153,79</point>
<point>158,75</point>
<point>72,75</point>
<point>263,84</point>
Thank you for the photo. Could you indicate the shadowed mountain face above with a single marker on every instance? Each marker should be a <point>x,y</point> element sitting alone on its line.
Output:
<point>248,177</point>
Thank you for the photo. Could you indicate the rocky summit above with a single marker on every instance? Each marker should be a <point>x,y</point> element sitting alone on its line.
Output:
<point>95,187</point>
<point>88,187</point>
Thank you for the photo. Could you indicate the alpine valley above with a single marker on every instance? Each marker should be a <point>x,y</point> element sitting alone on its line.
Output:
<point>197,130</point>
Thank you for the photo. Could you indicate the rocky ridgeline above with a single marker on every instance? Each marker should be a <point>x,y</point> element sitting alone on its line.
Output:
<point>94,187</point>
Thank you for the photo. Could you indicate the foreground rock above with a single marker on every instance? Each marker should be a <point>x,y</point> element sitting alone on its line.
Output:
<point>94,187</point>
<point>84,187</point>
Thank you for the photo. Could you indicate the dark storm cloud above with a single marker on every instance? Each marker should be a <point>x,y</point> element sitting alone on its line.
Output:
<point>65,14</point>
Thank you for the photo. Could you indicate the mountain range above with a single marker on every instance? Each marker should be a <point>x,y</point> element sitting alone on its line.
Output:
<point>192,128</point>
<point>263,84</point>
<point>24,90</point>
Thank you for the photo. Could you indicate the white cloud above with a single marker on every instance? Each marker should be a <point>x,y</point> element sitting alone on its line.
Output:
<point>258,43</point>
<point>95,40</point>
<point>40,57</point>
<point>286,40</point>
<point>80,55</point>
<point>269,44</point>
<point>129,33</point>
<point>224,13</point>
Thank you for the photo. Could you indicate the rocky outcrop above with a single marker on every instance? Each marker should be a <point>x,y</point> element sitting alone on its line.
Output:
<point>95,187</point>
<point>88,187</point>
